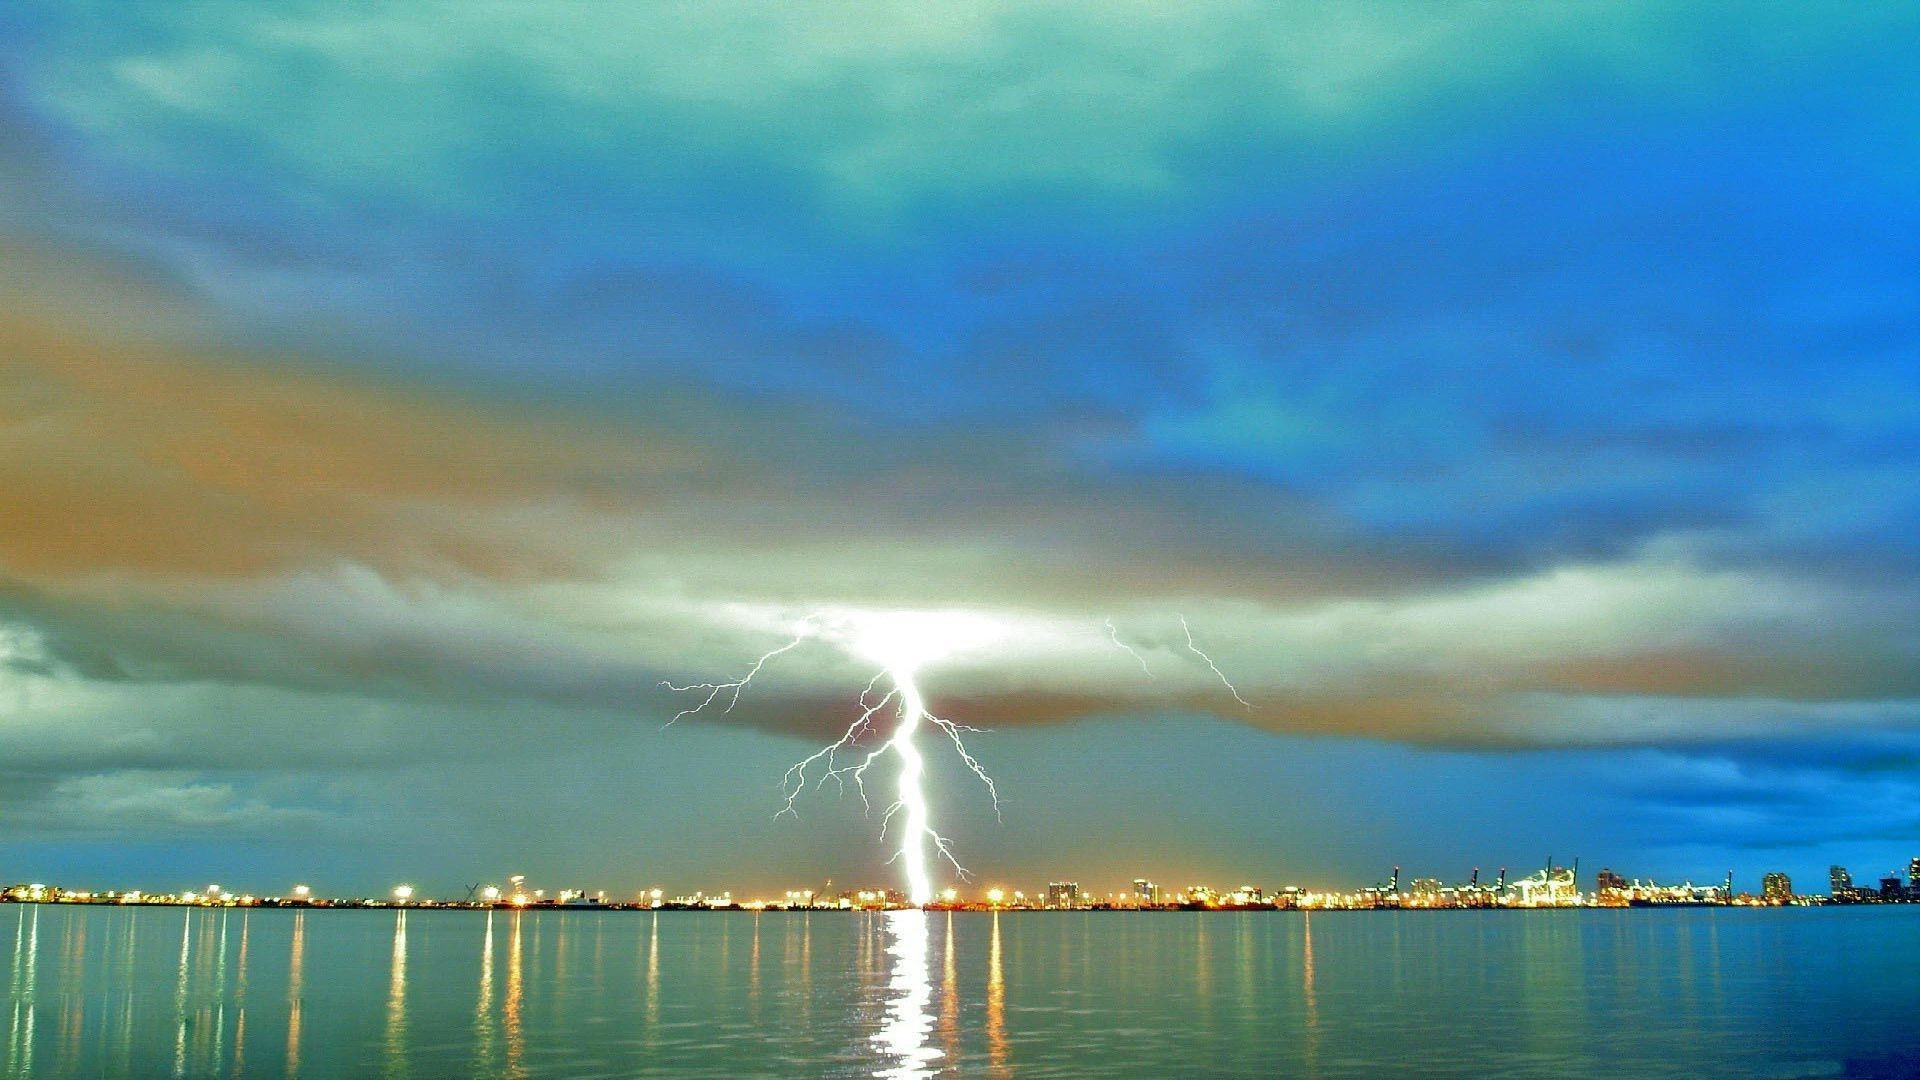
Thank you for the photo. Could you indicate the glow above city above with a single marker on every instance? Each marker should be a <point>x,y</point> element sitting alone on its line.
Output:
<point>1303,440</point>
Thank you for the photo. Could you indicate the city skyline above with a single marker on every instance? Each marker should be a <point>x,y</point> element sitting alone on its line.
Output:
<point>1299,438</point>
<point>1900,884</point>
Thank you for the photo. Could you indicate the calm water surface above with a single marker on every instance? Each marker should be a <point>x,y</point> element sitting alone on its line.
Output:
<point>159,992</point>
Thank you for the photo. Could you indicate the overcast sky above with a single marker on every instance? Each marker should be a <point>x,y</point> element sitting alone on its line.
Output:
<point>1518,402</point>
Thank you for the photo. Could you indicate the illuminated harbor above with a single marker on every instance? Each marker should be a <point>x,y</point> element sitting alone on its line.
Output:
<point>1549,887</point>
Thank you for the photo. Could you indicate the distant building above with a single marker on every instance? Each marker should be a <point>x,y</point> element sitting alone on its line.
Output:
<point>1063,894</point>
<point>1145,893</point>
<point>1551,887</point>
<point>1913,876</point>
<point>1839,883</point>
<point>1607,882</point>
<point>1776,888</point>
<point>1891,889</point>
<point>1426,887</point>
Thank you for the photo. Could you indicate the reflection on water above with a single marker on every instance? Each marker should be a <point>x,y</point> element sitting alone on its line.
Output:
<point>753,969</point>
<point>949,997</point>
<point>126,980</point>
<point>219,1024</point>
<point>26,950</point>
<point>510,1020</point>
<point>73,949</point>
<point>653,980</point>
<point>806,968</point>
<point>996,1005</point>
<point>1308,995</point>
<point>397,1000</point>
<point>180,995</point>
<point>1796,993</point>
<point>483,1005</point>
<point>240,998</point>
<point>295,957</point>
<point>904,1036</point>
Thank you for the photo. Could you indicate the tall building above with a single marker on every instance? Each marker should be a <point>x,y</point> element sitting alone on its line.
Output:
<point>1913,875</point>
<point>1145,893</point>
<point>1609,882</point>
<point>1839,883</point>
<point>1776,888</point>
<point>1063,894</point>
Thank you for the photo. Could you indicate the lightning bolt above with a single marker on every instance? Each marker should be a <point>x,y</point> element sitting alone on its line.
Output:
<point>795,781</point>
<point>917,838</point>
<point>913,800</point>
<point>1224,681</point>
<point>1114,636</point>
<point>732,689</point>
<point>953,731</point>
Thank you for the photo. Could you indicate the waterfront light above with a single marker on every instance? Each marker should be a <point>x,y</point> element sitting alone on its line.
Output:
<point>301,892</point>
<point>403,893</point>
<point>491,893</point>
<point>996,896</point>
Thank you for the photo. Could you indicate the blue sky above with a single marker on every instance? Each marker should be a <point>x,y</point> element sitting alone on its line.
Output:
<point>1518,400</point>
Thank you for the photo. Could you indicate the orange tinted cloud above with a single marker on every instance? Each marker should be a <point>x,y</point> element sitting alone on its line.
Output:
<point>121,456</point>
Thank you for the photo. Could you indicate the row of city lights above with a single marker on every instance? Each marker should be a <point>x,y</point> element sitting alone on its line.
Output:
<point>1552,887</point>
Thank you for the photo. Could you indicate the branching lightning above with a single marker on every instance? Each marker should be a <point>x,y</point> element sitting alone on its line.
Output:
<point>794,783</point>
<point>916,834</point>
<point>1114,636</point>
<point>1224,681</point>
<point>953,731</point>
<point>732,689</point>
<point>901,647</point>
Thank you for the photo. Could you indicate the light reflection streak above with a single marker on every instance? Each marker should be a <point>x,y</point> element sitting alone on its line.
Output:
<point>996,1006</point>
<point>125,1029</point>
<point>510,1020</point>
<point>1203,972</point>
<point>72,963</point>
<point>180,998</point>
<point>1306,974</point>
<point>295,958</point>
<point>653,982</point>
<point>753,973</point>
<point>1312,1000</point>
<point>220,988</point>
<point>26,948</point>
<point>949,998</point>
<point>904,1035</point>
<point>240,999</point>
<point>483,1007</point>
<point>806,969</point>
<point>397,1000</point>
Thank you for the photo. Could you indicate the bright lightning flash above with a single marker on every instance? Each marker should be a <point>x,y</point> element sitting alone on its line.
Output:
<point>902,644</point>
